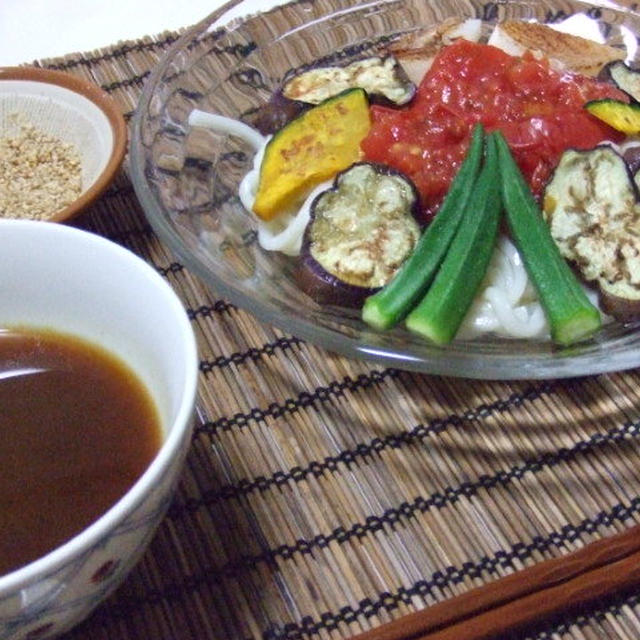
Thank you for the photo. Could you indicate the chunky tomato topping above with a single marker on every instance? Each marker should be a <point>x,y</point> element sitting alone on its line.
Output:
<point>539,110</point>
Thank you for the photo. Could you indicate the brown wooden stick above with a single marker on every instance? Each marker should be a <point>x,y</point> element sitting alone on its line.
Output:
<point>546,604</point>
<point>538,592</point>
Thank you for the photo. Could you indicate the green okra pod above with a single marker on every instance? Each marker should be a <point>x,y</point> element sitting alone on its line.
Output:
<point>571,315</point>
<point>392,303</point>
<point>440,313</point>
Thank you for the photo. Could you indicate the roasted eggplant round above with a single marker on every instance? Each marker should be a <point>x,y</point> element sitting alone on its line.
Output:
<point>631,156</point>
<point>623,77</point>
<point>360,231</point>
<point>278,112</point>
<point>591,205</point>
<point>384,80</point>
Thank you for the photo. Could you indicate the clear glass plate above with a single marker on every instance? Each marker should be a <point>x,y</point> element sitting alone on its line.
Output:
<point>188,183</point>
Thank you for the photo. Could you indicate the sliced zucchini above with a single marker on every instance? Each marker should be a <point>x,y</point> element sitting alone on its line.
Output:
<point>622,116</point>
<point>310,149</point>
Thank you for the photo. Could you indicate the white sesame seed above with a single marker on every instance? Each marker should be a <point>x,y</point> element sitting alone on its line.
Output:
<point>39,174</point>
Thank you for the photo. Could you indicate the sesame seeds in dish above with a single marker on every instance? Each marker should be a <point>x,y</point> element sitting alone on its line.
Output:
<point>39,174</point>
<point>62,141</point>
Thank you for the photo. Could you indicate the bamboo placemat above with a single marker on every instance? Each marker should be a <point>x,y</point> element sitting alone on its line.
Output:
<point>324,496</point>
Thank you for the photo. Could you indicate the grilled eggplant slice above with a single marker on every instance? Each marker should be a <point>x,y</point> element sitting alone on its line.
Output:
<point>624,77</point>
<point>382,78</point>
<point>631,156</point>
<point>360,232</point>
<point>277,113</point>
<point>591,205</point>
<point>620,115</point>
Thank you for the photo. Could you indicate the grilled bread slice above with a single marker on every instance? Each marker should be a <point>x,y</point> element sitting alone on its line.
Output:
<point>564,50</point>
<point>415,51</point>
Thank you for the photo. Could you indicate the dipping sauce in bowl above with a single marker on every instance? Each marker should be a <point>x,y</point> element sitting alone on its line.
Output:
<point>98,378</point>
<point>79,429</point>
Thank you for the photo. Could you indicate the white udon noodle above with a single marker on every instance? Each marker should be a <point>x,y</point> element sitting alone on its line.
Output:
<point>283,234</point>
<point>506,304</point>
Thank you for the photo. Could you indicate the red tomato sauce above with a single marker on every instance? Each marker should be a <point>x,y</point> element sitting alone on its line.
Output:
<point>539,110</point>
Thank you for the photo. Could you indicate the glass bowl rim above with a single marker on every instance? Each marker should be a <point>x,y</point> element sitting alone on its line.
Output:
<point>456,360</point>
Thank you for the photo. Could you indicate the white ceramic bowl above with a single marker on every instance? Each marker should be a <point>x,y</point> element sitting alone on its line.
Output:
<point>73,111</point>
<point>72,280</point>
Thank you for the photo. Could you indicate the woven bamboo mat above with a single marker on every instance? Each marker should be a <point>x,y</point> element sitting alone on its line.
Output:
<point>324,496</point>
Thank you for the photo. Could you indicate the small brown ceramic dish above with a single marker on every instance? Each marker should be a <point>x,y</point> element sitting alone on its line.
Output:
<point>62,108</point>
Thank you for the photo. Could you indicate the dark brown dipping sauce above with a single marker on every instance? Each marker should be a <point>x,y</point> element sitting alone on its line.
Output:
<point>77,429</point>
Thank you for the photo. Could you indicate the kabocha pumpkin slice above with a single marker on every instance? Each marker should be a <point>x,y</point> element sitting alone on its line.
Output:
<point>310,149</point>
<point>622,116</point>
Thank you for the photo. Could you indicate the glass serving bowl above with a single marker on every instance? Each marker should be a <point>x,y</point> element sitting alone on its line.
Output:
<point>187,178</point>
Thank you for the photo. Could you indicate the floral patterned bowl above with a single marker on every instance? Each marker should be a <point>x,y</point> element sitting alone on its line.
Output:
<point>99,291</point>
